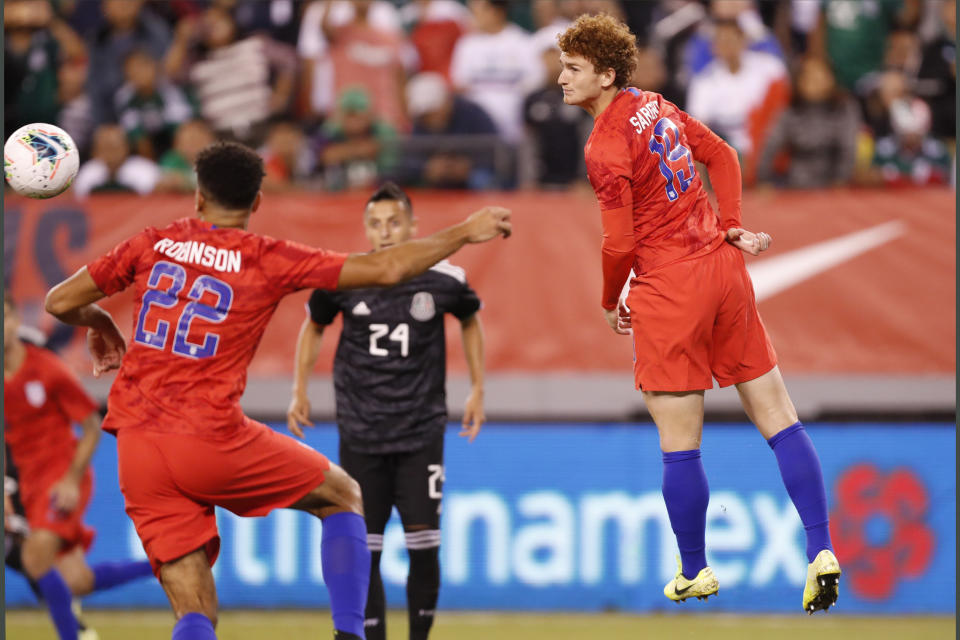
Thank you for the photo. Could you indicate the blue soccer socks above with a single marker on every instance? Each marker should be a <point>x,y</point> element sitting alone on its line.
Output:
<point>800,469</point>
<point>107,575</point>
<point>686,493</point>
<point>194,626</point>
<point>346,569</point>
<point>57,596</point>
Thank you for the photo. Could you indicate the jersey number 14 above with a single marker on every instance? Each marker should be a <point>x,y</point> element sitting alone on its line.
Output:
<point>671,154</point>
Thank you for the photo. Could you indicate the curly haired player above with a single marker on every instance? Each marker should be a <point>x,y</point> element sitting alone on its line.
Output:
<point>691,304</point>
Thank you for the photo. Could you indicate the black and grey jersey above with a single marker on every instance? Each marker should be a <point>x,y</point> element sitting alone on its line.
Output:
<point>389,372</point>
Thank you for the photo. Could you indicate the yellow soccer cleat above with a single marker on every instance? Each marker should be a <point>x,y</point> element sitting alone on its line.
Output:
<point>701,587</point>
<point>823,583</point>
<point>83,631</point>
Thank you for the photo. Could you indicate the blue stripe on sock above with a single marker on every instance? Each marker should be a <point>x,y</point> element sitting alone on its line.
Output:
<point>107,575</point>
<point>780,436</point>
<point>686,494</point>
<point>57,596</point>
<point>194,626</point>
<point>803,479</point>
<point>346,569</point>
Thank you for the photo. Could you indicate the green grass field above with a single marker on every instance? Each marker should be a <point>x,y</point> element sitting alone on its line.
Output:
<point>297,625</point>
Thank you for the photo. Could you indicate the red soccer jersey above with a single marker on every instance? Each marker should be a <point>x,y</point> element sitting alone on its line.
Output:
<point>204,296</point>
<point>40,403</point>
<point>640,161</point>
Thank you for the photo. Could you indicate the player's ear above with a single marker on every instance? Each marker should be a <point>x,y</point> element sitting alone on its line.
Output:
<point>607,78</point>
<point>256,202</point>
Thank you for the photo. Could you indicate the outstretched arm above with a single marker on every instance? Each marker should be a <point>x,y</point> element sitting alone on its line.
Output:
<point>409,259</point>
<point>473,416</point>
<point>308,348</point>
<point>72,302</point>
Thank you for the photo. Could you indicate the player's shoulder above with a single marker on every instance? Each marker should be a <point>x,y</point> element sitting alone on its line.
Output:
<point>42,359</point>
<point>446,270</point>
<point>177,229</point>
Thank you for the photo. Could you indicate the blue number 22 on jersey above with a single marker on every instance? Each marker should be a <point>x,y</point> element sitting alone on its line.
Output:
<point>662,145</point>
<point>165,295</point>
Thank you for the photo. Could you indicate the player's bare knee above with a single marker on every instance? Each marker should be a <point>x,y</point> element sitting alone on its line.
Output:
<point>79,580</point>
<point>38,555</point>
<point>353,497</point>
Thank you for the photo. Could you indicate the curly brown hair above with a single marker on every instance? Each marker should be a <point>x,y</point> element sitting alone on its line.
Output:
<point>606,42</point>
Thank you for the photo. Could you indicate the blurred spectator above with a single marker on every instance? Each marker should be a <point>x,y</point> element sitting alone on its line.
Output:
<point>363,54</point>
<point>287,158</point>
<point>937,76</point>
<point>128,26</point>
<point>903,51</point>
<point>434,27</point>
<point>76,108</point>
<point>149,107</point>
<point>888,87</point>
<point>910,155</point>
<point>673,23</point>
<point>852,35</point>
<point>239,84</point>
<point>314,48</point>
<point>552,17</point>
<point>441,161</point>
<point>794,22</point>
<point>36,42</point>
<point>277,19</point>
<point>558,131</point>
<point>817,133</point>
<point>650,74</point>
<point>495,67</point>
<point>699,49</point>
<point>357,147</point>
<point>112,168</point>
<point>740,94</point>
<point>177,164</point>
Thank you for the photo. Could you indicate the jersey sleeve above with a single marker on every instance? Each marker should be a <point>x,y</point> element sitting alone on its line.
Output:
<point>69,395</point>
<point>322,306</point>
<point>114,271</point>
<point>722,164</point>
<point>292,266</point>
<point>465,303</point>
<point>610,170</point>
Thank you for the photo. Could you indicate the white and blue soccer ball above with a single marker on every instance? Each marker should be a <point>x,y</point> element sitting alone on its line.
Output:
<point>40,160</point>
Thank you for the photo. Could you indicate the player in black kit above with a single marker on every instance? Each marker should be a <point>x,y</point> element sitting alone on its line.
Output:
<point>389,378</point>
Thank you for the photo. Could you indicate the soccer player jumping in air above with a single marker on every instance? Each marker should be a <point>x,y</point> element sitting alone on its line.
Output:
<point>691,305</point>
<point>41,401</point>
<point>206,288</point>
<point>389,375</point>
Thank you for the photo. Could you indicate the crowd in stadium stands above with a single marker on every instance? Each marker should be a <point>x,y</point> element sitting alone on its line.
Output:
<point>343,94</point>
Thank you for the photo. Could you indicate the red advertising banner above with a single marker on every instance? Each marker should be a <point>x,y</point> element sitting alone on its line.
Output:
<point>857,281</point>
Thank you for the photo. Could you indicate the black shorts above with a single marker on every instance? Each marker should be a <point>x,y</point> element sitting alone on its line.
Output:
<point>413,481</point>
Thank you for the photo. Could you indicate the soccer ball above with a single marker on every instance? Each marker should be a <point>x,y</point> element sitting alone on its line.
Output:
<point>40,160</point>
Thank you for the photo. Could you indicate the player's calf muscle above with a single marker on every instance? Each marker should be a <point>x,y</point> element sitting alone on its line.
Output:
<point>337,493</point>
<point>189,585</point>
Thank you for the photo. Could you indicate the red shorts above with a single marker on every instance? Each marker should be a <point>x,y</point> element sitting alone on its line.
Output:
<point>695,319</point>
<point>41,515</point>
<point>171,482</point>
